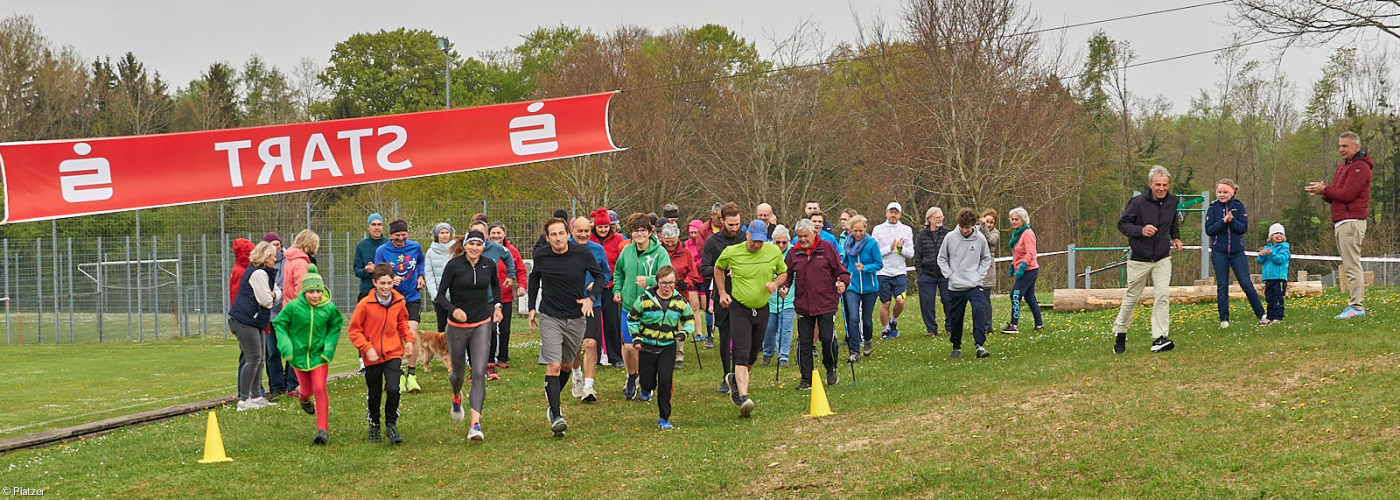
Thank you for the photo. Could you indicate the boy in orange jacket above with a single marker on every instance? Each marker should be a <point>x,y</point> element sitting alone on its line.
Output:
<point>379,329</point>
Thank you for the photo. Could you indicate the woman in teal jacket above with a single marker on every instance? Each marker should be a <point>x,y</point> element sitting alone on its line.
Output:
<point>862,258</point>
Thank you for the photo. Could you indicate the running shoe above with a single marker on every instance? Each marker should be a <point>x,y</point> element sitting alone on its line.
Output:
<point>746,407</point>
<point>646,396</point>
<point>322,437</point>
<point>577,389</point>
<point>457,413</point>
<point>1162,344</point>
<point>392,432</point>
<point>1120,343</point>
<point>308,406</point>
<point>475,433</point>
<point>373,433</point>
<point>734,389</point>
<point>664,424</point>
<point>1010,329</point>
<point>413,383</point>
<point>491,372</point>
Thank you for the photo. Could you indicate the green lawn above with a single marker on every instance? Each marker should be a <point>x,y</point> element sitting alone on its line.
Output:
<point>1297,409</point>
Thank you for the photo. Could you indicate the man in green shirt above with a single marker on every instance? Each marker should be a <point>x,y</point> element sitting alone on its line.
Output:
<point>757,270</point>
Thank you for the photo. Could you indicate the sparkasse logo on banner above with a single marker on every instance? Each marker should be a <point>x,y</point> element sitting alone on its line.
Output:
<point>65,178</point>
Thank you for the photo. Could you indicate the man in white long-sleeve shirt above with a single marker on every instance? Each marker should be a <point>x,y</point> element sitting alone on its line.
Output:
<point>896,246</point>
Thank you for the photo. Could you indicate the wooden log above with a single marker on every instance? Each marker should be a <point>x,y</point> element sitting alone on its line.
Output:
<point>1108,298</point>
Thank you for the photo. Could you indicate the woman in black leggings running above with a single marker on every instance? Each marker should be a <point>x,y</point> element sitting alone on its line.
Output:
<point>474,289</point>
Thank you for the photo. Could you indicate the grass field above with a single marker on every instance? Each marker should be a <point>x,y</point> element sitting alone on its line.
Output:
<point>1297,409</point>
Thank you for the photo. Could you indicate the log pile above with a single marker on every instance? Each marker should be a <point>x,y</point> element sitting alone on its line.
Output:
<point>1112,298</point>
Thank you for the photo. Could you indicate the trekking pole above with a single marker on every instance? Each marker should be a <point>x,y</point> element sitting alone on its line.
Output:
<point>698,361</point>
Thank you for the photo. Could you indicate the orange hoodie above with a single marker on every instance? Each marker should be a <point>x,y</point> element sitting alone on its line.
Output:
<point>385,329</point>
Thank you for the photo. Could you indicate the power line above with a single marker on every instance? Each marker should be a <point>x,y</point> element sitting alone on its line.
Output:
<point>1069,77</point>
<point>917,49</point>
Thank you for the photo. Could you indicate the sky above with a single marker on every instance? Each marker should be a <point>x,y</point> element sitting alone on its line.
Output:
<point>182,38</point>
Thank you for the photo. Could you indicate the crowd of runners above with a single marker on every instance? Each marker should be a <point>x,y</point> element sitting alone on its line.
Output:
<point>630,292</point>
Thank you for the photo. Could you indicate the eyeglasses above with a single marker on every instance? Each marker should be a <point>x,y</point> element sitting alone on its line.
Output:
<point>671,283</point>
<point>777,242</point>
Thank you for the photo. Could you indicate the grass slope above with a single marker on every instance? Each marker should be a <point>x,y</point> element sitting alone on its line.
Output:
<point>1297,409</point>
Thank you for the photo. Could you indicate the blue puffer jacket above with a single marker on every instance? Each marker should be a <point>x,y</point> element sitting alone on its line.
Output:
<point>867,252</point>
<point>1275,265</point>
<point>1226,238</point>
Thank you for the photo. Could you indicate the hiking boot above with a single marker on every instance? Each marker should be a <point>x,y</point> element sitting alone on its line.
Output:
<point>804,386</point>
<point>309,407</point>
<point>734,389</point>
<point>782,363</point>
<point>982,352</point>
<point>866,349</point>
<point>475,433</point>
<point>831,376</point>
<point>491,372</point>
<point>724,386</point>
<point>1010,329</point>
<point>767,358</point>
<point>391,431</point>
<point>1162,344</point>
<point>709,342</point>
<point>957,353</point>
<point>413,383</point>
<point>745,407</point>
<point>855,356</point>
<point>322,437</point>
<point>373,433</point>
<point>1120,343</point>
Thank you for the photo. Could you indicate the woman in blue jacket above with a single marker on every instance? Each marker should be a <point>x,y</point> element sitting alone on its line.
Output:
<point>1226,223</point>
<point>861,256</point>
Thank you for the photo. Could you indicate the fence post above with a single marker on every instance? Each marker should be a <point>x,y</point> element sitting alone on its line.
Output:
<point>53,256</point>
<point>223,264</point>
<point>204,284</point>
<point>1088,277</point>
<point>483,210</point>
<point>72,338</point>
<point>140,312</point>
<point>396,210</point>
<point>350,263</point>
<point>39,283</point>
<point>1069,258</point>
<point>1205,245</point>
<point>128,288</point>
<point>7,291</point>
<point>155,282</point>
<point>180,315</point>
<point>573,207</point>
<point>308,216</point>
<point>101,292</point>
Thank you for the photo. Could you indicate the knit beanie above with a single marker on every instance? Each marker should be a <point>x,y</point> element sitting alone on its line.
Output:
<point>1276,228</point>
<point>600,217</point>
<point>561,214</point>
<point>271,237</point>
<point>312,281</point>
<point>612,218</point>
<point>437,228</point>
<point>398,226</point>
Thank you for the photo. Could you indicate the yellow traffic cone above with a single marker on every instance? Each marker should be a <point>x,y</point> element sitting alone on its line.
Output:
<point>819,405</point>
<point>214,443</point>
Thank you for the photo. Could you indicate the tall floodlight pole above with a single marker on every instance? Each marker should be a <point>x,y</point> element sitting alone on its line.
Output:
<point>447,67</point>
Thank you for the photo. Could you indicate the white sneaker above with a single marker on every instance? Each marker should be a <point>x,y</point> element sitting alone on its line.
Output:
<point>577,390</point>
<point>246,404</point>
<point>1224,324</point>
<point>589,395</point>
<point>261,402</point>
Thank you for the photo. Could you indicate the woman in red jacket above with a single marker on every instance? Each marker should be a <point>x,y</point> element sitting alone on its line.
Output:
<point>612,243</point>
<point>500,345</point>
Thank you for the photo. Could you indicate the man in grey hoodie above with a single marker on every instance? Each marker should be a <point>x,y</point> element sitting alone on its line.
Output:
<point>964,259</point>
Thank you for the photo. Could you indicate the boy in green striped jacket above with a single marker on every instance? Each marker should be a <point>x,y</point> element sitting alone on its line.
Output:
<point>660,320</point>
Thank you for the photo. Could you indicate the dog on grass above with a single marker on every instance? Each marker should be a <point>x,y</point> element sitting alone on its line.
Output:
<point>433,345</point>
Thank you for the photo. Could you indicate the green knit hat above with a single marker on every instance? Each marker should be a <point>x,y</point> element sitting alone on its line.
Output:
<point>313,281</point>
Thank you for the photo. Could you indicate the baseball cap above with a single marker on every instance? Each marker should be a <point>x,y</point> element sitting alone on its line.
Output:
<point>895,205</point>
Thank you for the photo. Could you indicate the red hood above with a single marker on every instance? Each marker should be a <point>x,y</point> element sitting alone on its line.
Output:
<point>241,249</point>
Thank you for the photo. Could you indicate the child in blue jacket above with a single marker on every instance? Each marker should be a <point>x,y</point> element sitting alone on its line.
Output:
<point>1273,258</point>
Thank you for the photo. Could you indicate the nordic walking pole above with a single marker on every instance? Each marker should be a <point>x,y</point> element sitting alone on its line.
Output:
<point>698,361</point>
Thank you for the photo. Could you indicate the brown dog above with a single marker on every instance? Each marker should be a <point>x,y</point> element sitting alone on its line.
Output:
<point>431,345</point>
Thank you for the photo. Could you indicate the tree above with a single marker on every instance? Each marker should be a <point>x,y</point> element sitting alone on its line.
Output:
<point>1317,22</point>
<point>386,72</point>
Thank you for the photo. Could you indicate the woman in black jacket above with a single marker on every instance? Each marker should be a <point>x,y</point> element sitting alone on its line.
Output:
<point>474,289</point>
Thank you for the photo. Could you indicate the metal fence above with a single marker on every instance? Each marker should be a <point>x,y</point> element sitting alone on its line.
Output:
<point>80,283</point>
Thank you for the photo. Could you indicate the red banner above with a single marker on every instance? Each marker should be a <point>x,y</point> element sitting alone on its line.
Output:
<point>55,179</point>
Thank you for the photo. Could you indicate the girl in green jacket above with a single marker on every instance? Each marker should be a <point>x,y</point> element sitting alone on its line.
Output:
<point>308,329</point>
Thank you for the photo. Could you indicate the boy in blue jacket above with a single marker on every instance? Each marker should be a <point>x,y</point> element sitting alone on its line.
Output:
<point>1273,258</point>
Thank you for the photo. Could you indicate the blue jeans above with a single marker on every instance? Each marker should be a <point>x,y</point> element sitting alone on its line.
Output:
<point>931,291</point>
<point>280,377</point>
<point>778,340</point>
<point>1223,264</point>
<point>859,309</point>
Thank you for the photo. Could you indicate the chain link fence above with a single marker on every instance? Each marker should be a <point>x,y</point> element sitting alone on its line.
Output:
<point>162,273</point>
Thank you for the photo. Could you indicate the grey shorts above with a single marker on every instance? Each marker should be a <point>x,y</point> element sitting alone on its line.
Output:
<point>560,339</point>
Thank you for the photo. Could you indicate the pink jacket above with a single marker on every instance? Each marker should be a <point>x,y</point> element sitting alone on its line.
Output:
<point>1025,252</point>
<point>293,268</point>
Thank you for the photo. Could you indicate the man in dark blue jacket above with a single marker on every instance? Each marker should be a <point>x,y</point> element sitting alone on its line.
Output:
<point>1150,222</point>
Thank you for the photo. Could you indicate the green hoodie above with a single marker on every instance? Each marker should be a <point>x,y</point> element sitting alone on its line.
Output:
<point>630,265</point>
<point>307,334</point>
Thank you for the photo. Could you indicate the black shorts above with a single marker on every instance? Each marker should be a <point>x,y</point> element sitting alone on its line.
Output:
<point>747,327</point>
<point>593,327</point>
<point>415,310</point>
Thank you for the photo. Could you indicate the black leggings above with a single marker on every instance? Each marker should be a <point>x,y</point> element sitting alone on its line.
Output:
<point>612,326</point>
<point>500,342</point>
<point>747,327</point>
<point>658,364</point>
<point>442,315</point>
<point>381,378</point>
<point>722,324</point>
<point>478,339</point>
